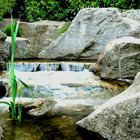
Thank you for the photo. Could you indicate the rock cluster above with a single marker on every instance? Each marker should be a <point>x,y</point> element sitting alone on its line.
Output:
<point>91,30</point>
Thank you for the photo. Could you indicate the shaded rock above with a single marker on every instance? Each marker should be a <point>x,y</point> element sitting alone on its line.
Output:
<point>118,118</point>
<point>4,54</point>
<point>2,89</point>
<point>91,30</point>
<point>120,59</point>
<point>1,132</point>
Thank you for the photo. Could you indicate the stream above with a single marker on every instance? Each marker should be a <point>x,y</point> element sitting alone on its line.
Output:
<point>76,90</point>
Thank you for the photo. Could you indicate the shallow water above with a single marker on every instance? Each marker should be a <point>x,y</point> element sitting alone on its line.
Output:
<point>59,124</point>
<point>77,92</point>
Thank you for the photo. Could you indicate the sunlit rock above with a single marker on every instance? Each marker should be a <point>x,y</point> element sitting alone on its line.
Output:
<point>118,118</point>
<point>120,59</point>
<point>91,30</point>
<point>4,54</point>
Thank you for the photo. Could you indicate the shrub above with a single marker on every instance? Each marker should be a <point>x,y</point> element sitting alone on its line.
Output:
<point>6,6</point>
<point>63,10</point>
<point>67,9</point>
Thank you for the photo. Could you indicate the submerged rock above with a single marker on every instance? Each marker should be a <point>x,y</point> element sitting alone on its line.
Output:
<point>118,118</point>
<point>120,59</point>
<point>37,107</point>
<point>91,30</point>
<point>34,107</point>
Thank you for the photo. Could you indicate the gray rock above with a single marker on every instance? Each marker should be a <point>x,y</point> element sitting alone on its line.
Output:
<point>120,59</point>
<point>1,132</point>
<point>118,118</point>
<point>91,30</point>
<point>40,33</point>
<point>4,54</point>
<point>23,49</point>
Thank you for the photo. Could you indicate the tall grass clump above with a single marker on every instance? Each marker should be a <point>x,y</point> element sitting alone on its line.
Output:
<point>15,109</point>
<point>13,81</point>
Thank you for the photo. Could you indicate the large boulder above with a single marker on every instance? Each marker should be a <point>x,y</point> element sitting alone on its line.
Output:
<point>120,59</point>
<point>91,30</point>
<point>4,54</point>
<point>118,118</point>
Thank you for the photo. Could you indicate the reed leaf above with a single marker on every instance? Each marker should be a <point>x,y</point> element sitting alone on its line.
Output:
<point>12,71</point>
<point>4,102</point>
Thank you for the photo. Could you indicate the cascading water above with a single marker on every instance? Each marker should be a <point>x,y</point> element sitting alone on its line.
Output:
<point>62,66</point>
<point>60,80</point>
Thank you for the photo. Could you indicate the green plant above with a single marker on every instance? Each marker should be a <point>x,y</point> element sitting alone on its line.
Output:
<point>13,82</point>
<point>6,6</point>
<point>7,30</point>
<point>66,10</point>
<point>16,109</point>
<point>64,28</point>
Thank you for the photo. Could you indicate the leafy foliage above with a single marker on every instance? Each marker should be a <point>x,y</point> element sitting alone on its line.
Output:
<point>64,10</point>
<point>67,9</point>
<point>6,6</point>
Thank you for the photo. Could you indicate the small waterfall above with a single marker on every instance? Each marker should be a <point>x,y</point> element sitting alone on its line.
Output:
<point>72,67</point>
<point>29,67</point>
<point>50,66</point>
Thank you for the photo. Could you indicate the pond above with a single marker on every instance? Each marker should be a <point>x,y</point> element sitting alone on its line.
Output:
<point>76,90</point>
